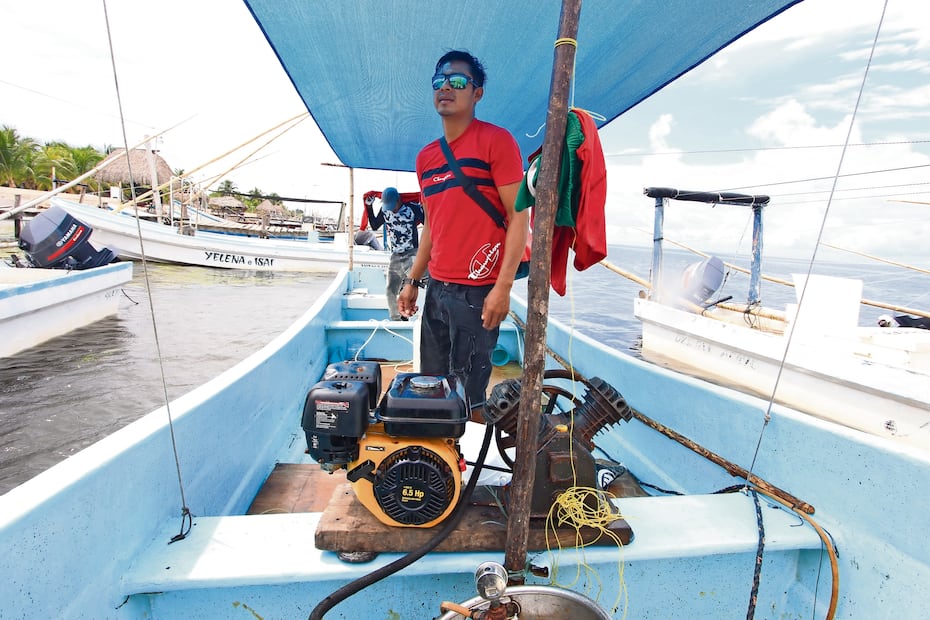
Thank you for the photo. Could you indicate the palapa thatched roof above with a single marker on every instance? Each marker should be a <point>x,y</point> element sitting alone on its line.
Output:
<point>117,172</point>
<point>226,202</point>
<point>267,206</point>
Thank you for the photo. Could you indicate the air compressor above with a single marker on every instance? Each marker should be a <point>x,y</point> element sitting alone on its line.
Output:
<point>401,453</point>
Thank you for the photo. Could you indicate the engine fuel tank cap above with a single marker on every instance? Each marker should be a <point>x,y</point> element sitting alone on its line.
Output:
<point>425,384</point>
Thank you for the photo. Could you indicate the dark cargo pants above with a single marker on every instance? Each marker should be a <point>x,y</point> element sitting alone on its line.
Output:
<point>453,340</point>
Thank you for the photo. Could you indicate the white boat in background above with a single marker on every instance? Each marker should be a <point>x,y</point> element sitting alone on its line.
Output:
<point>812,355</point>
<point>37,305</point>
<point>63,283</point>
<point>164,244</point>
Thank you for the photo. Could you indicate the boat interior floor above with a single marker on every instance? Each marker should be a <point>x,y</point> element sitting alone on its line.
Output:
<point>303,514</point>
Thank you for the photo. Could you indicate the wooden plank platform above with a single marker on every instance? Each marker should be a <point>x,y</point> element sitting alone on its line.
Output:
<point>347,526</point>
<point>296,488</point>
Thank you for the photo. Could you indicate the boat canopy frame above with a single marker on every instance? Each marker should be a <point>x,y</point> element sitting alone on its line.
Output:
<point>756,201</point>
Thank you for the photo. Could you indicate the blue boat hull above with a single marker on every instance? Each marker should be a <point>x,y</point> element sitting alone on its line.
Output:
<point>89,537</point>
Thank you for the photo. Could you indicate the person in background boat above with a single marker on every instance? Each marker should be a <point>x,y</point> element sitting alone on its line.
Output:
<point>903,320</point>
<point>369,238</point>
<point>471,260</point>
<point>400,221</point>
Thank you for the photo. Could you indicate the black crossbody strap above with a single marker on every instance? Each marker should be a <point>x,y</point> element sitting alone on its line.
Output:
<point>468,185</point>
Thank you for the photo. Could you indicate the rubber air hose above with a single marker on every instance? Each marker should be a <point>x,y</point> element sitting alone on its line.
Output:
<point>375,576</point>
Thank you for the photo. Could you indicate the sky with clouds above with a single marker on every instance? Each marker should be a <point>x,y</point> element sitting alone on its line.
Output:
<point>768,115</point>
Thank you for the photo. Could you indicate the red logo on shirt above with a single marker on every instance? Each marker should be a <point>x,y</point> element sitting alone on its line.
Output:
<point>483,261</point>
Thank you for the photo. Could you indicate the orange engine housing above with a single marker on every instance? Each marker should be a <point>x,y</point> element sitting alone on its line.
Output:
<point>407,481</point>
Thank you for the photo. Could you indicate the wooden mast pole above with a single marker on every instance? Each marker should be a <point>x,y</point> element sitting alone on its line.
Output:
<point>342,224</point>
<point>547,193</point>
<point>350,229</point>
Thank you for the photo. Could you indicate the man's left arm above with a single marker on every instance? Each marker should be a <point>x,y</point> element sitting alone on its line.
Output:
<point>497,303</point>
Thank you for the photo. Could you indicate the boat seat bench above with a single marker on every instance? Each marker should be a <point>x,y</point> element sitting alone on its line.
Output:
<point>275,549</point>
<point>369,325</point>
<point>365,301</point>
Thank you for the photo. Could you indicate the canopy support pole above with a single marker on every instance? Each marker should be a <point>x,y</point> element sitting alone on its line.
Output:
<point>524,473</point>
<point>658,226</point>
<point>755,278</point>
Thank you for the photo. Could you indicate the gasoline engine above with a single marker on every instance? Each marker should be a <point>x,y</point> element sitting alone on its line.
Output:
<point>401,454</point>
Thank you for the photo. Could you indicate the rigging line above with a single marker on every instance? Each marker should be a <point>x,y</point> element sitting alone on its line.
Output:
<point>851,189</point>
<point>823,225</point>
<point>185,511</point>
<point>245,160</point>
<point>830,178</point>
<point>876,258</point>
<point>303,116</point>
<point>844,198</point>
<point>767,148</point>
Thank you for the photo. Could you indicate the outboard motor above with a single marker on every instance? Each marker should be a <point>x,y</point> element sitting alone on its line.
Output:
<point>54,239</point>
<point>702,279</point>
<point>403,459</point>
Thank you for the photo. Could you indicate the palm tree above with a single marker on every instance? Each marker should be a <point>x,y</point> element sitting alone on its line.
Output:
<point>83,160</point>
<point>226,188</point>
<point>50,163</point>
<point>16,157</point>
<point>254,199</point>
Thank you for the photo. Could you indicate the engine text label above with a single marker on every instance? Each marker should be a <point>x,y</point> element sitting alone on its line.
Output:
<point>411,494</point>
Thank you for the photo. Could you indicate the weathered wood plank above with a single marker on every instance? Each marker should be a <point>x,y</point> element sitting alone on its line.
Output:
<point>347,526</point>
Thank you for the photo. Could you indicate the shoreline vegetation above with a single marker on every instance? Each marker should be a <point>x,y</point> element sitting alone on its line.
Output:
<point>30,168</point>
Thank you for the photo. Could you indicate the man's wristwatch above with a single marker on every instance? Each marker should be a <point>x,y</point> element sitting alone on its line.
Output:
<point>417,283</point>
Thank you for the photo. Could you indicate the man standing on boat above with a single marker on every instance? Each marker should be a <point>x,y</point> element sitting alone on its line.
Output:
<point>400,219</point>
<point>471,257</point>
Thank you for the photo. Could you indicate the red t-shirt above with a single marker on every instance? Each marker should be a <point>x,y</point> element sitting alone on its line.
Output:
<point>467,246</point>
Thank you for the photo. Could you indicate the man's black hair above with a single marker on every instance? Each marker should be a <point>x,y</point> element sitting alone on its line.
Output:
<point>477,69</point>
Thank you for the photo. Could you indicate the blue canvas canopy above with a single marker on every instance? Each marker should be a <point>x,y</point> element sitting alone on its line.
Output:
<point>363,68</point>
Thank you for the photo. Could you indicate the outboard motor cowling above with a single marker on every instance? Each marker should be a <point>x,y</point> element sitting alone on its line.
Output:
<point>702,279</point>
<point>55,239</point>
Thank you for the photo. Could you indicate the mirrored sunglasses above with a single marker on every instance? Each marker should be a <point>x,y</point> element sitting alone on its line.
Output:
<point>458,81</point>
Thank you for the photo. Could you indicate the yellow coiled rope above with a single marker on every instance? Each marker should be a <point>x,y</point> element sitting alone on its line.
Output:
<point>582,507</point>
